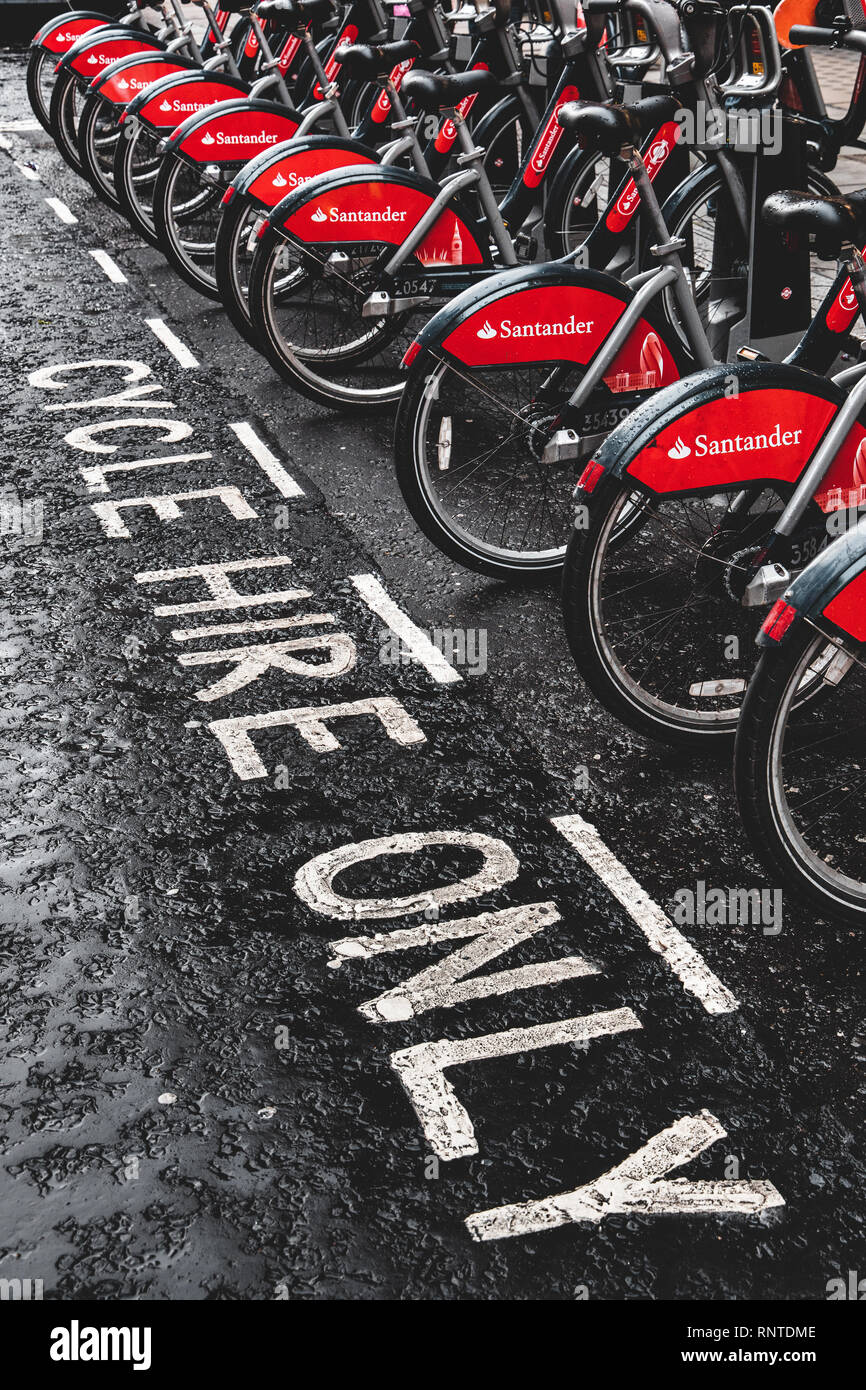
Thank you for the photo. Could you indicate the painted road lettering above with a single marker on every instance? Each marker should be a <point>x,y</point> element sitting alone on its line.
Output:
<point>267,645</point>
<point>637,1187</point>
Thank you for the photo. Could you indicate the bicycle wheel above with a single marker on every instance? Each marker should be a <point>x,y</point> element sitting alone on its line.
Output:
<point>98,134</point>
<point>655,625</point>
<point>67,101</point>
<point>800,773</point>
<point>186,217</point>
<point>40,84</point>
<point>316,336</point>
<point>580,193</point>
<point>469,461</point>
<point>136,164</point>
<point>233,257</point>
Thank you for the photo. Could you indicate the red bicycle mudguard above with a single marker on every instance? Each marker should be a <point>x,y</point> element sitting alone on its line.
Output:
<point>382,207</point>
<point>563,322</point>
<point>767,433</point>
<point>297,167</point>
<point>132,76</point>
<point>100,52</point>
<point>847,610</point>
<point>60,34</point>
<point>181,96</point>
<point>236,132</point>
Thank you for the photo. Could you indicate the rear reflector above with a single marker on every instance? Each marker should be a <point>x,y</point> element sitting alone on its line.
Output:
<point>590,476</point>
<point>778,620</point>
<point>410,354</point>
<point>228,195</point>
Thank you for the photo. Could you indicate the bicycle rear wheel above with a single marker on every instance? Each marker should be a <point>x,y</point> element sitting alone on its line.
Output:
<point>469,453</point>
<point>136,164</point>
<point>800,773</point>
<point>317,336</point>
<point>98,134</point>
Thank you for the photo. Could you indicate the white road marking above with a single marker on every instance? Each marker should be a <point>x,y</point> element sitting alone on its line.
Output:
<point>20,125</point>
<point>234,734</point>
<point>634,1187</point>
<point>179,351</point>
<point>268,462</point>
<point>215,578</point>
<point>187,634</point>
<point>94,476</point>
<point>444,984</point>
<point>314,881</point>
<point>252,661</point>
<point>680,955</point>
<point>28,173</point>
<point>416,643</point>
<point>165,506</point>
<point>62,211</point>
<point>446,1123</point>
<point>111,268</point>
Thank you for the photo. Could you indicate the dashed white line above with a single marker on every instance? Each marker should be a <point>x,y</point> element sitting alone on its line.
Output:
<point>28,173</point>
<point>62,211</point>
<point>268,462</point>
<point>110,267</point>
<point>680,955</point>
<point>179,351</point>
<point>20,125</point>
<point>417,643</point>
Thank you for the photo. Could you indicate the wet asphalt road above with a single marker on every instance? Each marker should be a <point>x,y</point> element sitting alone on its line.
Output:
<point>191,1103</point>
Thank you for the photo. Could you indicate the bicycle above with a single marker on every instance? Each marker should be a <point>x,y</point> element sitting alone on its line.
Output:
<point>735,476</point>
<point>256,189</point>
<point>799,765</point>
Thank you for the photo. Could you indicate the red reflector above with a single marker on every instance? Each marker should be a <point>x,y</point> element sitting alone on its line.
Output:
<point>778,620</point>
<point>590,476</point>
<point>410,354</point>
<point>228,195</point>
<point>262,229</point>
<point>121,118</point>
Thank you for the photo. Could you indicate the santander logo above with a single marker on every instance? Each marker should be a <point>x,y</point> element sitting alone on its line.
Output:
<point>627,203</point>
<point>165,106</point>
<point>207,138</point>
<point>509,329</point>
<point>387,214</point>
<point>778,438</point>
<point>279,181</point>
<point>847,297</point>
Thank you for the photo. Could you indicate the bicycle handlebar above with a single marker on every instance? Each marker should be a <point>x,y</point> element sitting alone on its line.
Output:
<point>828,38</point>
